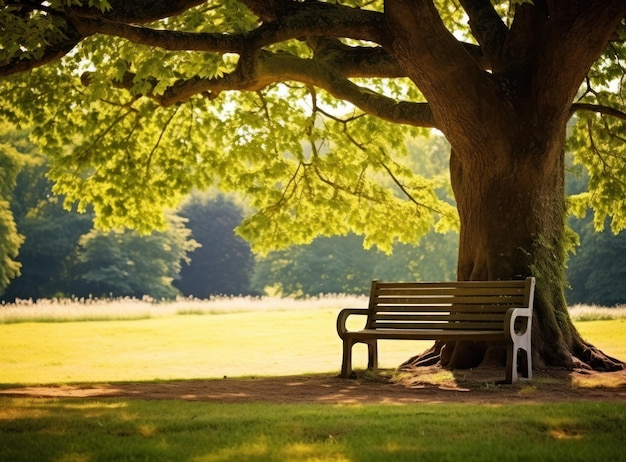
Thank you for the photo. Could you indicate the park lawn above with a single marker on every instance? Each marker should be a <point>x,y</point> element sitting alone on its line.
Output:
<point>253,343</point>
<point>266,343</point>
<point>181,347</point>
<point>609,336</point>
<point>168,430</point>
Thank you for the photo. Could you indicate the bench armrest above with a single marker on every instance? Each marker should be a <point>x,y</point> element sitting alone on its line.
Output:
<point>512,315</point>
<point>343,317</point>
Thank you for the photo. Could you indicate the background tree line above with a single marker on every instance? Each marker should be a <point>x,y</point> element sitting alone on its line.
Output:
<point>47,251</point>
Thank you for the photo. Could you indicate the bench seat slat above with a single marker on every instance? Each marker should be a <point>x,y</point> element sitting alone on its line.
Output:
<point>441,325</point>
<point>438,317</point>
<point>427,334</point>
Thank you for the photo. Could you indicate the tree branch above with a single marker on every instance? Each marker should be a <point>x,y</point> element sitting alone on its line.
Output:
<point>363,61</point>
<point>600,109</point>
<point>270,10</point>
<point>50,54</point>
<point>137,11</point>
<point>272,68</point>
<point>443,70</point>
<point>316,19</point>
<point>488,29</point>
<point>162,38</point>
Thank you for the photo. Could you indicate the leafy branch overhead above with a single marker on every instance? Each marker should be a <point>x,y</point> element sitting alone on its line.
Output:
<point>303,106</point>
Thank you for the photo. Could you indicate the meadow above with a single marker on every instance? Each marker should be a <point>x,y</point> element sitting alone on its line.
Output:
<point>90,341</point>
<point>68,341</point>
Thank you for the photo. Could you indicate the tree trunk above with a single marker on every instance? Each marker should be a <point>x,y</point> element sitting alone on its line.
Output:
<point>507,129</point>
<point>512,224</point>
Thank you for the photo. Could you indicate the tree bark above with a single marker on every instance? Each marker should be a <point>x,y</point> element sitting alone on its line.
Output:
<point>512,218</point>
<point>507,129</point>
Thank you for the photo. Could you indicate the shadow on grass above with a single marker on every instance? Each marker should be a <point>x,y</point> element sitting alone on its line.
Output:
<point>432,385</point>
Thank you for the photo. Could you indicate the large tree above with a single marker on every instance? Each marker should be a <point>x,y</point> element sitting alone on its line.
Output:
<point>139,101</point>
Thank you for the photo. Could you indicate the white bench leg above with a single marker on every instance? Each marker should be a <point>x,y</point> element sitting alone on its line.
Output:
<point>512,351</point>
<point>527,360</point>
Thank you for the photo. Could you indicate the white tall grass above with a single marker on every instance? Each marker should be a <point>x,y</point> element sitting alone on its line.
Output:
<point>596,313</point>
<point>92,309</point>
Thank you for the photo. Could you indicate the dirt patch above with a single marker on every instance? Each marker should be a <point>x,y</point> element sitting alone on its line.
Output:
<point>431,385</point>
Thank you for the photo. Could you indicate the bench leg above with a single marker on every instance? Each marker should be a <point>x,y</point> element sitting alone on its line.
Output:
<point>372,355</point>
<point>511,363</point>
<point>346,362</point>
<point>527,364</point>
<point>527,360</point>
<point>512,351</point>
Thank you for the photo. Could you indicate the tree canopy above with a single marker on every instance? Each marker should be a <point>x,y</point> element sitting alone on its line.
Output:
<point>305,108</point>
<point>146,117</point>
<point>142,109</point>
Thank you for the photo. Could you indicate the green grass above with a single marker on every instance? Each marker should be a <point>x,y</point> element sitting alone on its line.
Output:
<point>191,346</point>
<point>253,343</point>
<point>266,342</point>
<point>128,430</point>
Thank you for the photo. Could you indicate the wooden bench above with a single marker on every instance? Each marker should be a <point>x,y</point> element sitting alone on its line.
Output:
<point>498,311</point>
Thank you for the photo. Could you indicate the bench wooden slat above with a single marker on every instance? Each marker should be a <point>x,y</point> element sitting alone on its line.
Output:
<point>433,300</point>
<point>430,334</point>
<point>445,308</point>
<point>472,285</point>
<point>417,291</point>
<point>475,326</point>
<point>443,316</point>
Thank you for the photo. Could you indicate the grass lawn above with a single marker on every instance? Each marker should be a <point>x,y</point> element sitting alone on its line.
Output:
<point>206,346</point>
<point>267,343</point>
<point>183,346</point>
<point>133,430</point>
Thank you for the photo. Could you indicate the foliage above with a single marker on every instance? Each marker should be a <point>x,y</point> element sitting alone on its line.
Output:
<point>60,254</point>
<point>11,160</point>
<point>50,233</point>
<point>309,168</point>
<point>596,272</point>
<point>148,116</point>
<point>222,263</point>
<point>341,265</point>
<point>125,263</point>
<point>598,141</point>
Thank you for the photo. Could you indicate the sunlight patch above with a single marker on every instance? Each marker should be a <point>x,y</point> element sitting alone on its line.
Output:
<point>253,449</point>
<point>562,434</point>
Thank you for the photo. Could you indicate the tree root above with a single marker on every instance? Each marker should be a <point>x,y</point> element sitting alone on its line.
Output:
<point>466,356</point>
<point>587,356</point>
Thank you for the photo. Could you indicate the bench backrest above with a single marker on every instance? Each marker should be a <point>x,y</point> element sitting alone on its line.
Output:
<point>475,305</point>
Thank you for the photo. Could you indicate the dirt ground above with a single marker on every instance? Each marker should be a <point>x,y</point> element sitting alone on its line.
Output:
<point>431,385</point>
